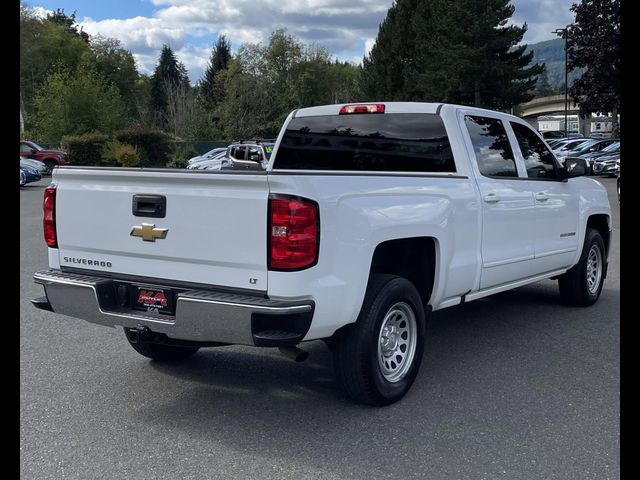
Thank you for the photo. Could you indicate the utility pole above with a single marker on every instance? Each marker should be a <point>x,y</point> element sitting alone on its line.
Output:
<point>564,33</point>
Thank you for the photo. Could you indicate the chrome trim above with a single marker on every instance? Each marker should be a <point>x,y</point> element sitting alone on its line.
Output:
<point>200,315</point>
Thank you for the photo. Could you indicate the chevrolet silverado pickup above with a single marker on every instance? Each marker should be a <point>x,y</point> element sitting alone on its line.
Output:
<point>366,218</point>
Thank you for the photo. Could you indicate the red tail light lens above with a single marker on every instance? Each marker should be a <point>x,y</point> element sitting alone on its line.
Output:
<point>49,220</point>
<point>294,232</point>
<point>367,108</point>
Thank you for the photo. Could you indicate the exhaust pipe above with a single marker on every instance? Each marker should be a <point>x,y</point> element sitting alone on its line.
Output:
<point>294,353</point>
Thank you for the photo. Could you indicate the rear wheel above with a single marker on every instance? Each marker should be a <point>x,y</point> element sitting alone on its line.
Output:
<point>582,284</point>
<point>161,352</point>
<point>377,359</point>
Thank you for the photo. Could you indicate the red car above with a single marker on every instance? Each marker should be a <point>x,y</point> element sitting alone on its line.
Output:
<point>50,158</point>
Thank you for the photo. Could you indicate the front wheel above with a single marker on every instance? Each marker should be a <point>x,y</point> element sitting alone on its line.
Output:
<point>581,285</point>
<point>50,164</point>
<point>377,358</point>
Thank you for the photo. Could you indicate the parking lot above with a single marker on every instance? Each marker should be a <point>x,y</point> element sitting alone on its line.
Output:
<point>512,386</point>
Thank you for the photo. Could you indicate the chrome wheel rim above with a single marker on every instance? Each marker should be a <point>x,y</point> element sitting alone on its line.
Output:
<point>397,342</point>
<point>594,269</point>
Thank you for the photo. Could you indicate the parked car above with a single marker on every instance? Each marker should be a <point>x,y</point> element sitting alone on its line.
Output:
<point>23,178</point>
<point>30,173</point>
<point>552,134</point>
<point>249,154</point>
<point>367,218</point>
<point>51,158</point>
<point>206,156</point>
<point>37,164</point>
<point>214,163</point>
<point>606,165</point>
<point>568,143</point>
<point>589,146</point>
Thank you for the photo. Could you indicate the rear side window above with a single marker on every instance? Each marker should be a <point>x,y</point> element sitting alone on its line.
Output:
<point>492,147</point>
<point>388,142</point>
<point>538,160</point>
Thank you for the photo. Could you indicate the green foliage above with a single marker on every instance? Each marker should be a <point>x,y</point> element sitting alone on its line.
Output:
<point>179,155</point>
<point>44,44</point>
<point>117,65</point>
<point>115,152</point>
<point>75,103</point>
<point>456,51</point>
<point>68,22</point>
<point>209,91</point>
<point>153,145</point>
<point>543,87</point>
<point>85,149</point>
<point>594,44</point>
<point>169,74</point>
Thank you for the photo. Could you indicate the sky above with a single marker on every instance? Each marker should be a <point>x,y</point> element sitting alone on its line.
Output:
<point>347,28</point>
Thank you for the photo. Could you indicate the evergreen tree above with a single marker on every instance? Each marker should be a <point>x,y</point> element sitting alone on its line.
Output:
<point>543,87</point>
<point>457,51</point>
<point>594,44</point>
<point>169,75</point>
<point>218,61</point>
<point>58,17</point>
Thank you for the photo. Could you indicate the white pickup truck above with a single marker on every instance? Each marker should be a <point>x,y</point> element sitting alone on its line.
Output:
<point>367,218</point>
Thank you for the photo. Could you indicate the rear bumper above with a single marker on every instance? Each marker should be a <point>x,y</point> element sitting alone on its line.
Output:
<point>200,315</point>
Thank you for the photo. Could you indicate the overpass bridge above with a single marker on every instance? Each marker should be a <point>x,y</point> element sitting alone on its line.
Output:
<point>553,105</point>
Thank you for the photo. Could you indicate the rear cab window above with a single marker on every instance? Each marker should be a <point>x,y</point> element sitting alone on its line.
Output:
<point>386,142</point>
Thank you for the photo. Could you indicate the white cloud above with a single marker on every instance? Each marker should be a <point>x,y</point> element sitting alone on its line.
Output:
<point>342,26</point>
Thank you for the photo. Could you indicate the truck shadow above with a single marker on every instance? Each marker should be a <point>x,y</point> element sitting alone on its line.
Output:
<point>476,357</point>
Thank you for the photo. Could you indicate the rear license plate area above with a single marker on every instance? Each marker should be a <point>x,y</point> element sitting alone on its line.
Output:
<point>152,299</point>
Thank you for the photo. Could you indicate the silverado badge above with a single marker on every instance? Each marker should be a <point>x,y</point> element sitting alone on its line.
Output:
<point>148,232</point>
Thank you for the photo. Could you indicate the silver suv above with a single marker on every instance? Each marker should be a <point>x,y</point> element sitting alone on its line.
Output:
<point>249,154</point>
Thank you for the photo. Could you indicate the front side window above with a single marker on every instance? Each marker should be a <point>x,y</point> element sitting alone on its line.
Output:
<point>24,148</point>
<point>538,160</point>
<point>491,145</point>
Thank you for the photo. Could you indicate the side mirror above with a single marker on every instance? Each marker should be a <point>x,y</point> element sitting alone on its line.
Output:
<point>33,151</point>
<point>574,167</point>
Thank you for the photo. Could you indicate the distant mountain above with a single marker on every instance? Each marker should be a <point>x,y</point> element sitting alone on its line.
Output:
<point>551,53</point>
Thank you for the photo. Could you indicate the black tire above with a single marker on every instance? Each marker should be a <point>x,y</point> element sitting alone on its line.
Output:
<point>574,284</point>
<point>162,353</point>
<point>50,164</point>
<point>355,349</point>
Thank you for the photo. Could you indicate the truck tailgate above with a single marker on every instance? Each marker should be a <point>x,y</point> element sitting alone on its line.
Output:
<point>216,225</point>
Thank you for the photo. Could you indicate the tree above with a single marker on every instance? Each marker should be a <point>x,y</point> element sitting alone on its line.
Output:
<point>169,71</point>
<point>543,87</point>
<point>594,44</point>
<point>44,44</point>
<point>77,102</point>
<point>68,22</point>
<point>218,61</point>
<point>457,51</point>
<point>117,65</point>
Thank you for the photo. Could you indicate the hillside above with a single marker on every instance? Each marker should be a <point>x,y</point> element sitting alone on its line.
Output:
<point>551,52</point>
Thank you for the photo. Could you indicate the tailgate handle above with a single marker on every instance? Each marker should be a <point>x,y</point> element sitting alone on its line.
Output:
<point>154,206</point>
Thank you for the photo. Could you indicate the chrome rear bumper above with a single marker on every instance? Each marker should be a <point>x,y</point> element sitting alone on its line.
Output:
<point>200,315</point>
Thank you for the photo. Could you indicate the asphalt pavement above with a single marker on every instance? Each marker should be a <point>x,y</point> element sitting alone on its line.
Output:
<point>513,386</point>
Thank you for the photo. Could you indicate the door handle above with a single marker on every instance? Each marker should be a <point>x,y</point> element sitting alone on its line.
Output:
<point>541,197</point>
<point>491,198</point>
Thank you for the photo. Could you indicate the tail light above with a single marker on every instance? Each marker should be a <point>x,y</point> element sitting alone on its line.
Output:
<point>294,232</point>
<point>49,220</point>
<point>364,108</point>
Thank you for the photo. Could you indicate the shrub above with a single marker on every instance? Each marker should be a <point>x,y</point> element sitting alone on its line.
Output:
<point>153,144</point>
<point>179,155</point>
<point>122,154</point>
<point>85,149</point>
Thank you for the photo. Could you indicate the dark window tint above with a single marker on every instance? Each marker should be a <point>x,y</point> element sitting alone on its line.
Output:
<point>490,142</point>
<point>400,142</point>
<point>538,159</point>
